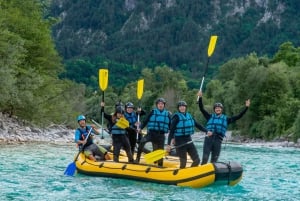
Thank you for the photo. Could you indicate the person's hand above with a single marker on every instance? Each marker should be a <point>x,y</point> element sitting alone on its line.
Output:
<point>199,93</point>
<point>94,127</point>
<point>137,124</point>
<point>168,148</point>
<point>209,133</point>
<point>107,156</point>
<point>173,141</point>
<point>248,103</point>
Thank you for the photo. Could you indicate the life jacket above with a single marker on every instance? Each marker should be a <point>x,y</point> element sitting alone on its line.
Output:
<point>83,135</point>
<point>131,117</point>
<point>185,125</point>
<point>159,120</point>
<point>115,130</point>
<point>217,124</point>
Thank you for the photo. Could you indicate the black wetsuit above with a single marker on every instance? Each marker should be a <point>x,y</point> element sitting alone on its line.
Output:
<point>182,139</point>
<point>213,143</point>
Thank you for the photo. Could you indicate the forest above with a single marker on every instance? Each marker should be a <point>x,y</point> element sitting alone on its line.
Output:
<point>39,85</point>
<point>137,34</point>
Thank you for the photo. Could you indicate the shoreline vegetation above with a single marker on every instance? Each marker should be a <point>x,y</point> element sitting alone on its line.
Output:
<point>16,131</point>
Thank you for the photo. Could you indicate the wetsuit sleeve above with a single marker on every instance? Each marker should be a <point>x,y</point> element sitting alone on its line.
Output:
<point>203,111</point>
<point>174,122</point>
<point>234,118</point>
<point>146,120</point>
<point>142,113</point>
<point>106,116</point>
<point>170,117</point>
<point>200,127</point>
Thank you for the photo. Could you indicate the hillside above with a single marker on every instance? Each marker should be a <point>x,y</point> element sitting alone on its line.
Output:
<point>135,36</point>
<point>176,33</point>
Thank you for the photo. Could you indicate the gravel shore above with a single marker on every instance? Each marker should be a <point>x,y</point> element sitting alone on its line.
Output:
<point>13,130</point>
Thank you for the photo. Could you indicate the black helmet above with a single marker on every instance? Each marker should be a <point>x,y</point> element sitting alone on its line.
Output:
<point>118,104</point>
<point>129,105</point>
<point>218,105</point>
<point>119,109</point>
<point>181,103</point>
<point>160,100</point>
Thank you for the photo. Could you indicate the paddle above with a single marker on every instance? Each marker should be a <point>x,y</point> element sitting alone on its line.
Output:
<point>70,170</point>
<point>97,124</point>
<point>210,51</point>
<point>160,153</point>
<point>139,94</point>
<point>122,123</point>
<point>103,81</point>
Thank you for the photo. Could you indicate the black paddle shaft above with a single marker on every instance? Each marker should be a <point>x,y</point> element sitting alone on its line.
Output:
<point>189,142</point>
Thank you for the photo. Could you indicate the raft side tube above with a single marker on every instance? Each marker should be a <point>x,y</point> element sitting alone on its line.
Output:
<point>229,173</point>
<point>195,177</point>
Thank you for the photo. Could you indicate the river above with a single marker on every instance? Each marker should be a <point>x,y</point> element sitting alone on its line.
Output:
<point>35,172</point>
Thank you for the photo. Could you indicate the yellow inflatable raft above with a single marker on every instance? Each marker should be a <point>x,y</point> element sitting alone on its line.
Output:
<point>212,173</point>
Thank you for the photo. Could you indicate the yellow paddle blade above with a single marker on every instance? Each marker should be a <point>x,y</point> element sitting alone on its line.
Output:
<point>154,156</point>
<point>212,45</point>
<point>122,123</point>
<point>140,88</point>
<point>103,79</point>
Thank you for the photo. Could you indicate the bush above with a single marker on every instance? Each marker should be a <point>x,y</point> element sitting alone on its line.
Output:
<point>268,127</point>
<point>296,135</point>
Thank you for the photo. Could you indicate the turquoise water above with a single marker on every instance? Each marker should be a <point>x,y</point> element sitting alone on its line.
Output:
<point>35,172</point>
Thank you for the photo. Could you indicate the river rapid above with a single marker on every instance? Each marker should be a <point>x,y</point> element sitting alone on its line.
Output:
<point>34,171</point>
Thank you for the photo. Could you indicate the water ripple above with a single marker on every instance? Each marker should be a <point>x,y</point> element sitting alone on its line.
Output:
<point>35,172</point>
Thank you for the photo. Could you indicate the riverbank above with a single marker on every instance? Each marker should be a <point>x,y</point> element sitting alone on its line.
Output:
<point>14,130</point>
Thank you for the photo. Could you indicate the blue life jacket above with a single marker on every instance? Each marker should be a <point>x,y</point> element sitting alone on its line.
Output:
<point>83,135</point>
<point>159,120</point>
<point>131,117</point>
<point>115,130</point>
<point>185,125</point>
<point>217,124</point>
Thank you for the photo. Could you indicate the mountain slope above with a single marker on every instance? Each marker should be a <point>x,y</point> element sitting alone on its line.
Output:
<point>174,32</point>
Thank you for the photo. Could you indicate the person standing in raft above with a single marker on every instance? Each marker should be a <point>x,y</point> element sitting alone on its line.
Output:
<point>90,149</point>
<point>107,116</point>
<point>181,131</point>
<point>217,126</point>
<point>158,121</point>
<point>119,137</point>
<point>132,118</point>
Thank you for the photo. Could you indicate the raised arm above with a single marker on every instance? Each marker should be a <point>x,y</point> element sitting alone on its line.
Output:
<point>201,107</point>
<point>106,116</point>
<point>241,114</point>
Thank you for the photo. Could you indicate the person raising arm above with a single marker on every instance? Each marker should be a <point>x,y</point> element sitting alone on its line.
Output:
<point>217,124</point>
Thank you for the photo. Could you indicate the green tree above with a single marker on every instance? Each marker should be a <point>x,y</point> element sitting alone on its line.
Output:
<point>288,54</point>
<point>268,85</point>
<point>31,66</point>
<point>11,54</point>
